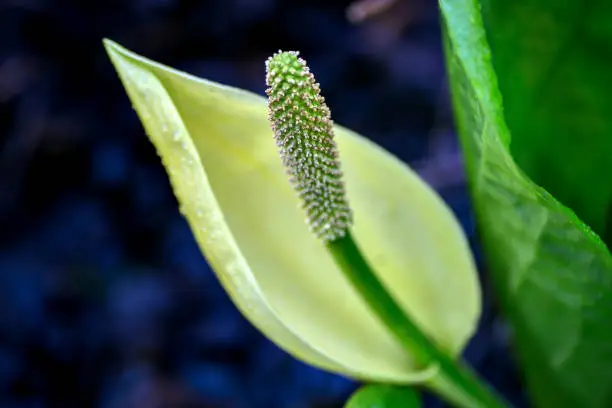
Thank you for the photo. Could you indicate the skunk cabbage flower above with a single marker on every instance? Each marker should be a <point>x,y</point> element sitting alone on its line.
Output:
<point>220,154</point>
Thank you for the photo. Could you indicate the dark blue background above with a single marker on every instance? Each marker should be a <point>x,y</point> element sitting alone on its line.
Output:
<point>105,300</point>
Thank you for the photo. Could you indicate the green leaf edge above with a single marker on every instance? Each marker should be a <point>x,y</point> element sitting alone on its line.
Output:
<point>470,37</point>
<point>466,37</point>
<point>463,32</point>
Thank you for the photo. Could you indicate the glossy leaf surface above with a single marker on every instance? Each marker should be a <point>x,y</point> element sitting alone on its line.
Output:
<point>553,273</point>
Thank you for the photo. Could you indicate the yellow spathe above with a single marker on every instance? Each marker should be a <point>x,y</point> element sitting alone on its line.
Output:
<point>218,149</point>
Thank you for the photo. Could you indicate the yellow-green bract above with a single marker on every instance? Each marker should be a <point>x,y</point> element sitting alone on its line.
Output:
<point>219,152</point>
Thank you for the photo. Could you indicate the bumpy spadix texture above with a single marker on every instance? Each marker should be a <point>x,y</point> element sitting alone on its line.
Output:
<point>303,131</point>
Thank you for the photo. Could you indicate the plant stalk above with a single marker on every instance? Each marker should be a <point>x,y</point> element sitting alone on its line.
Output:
<point>454,382</point>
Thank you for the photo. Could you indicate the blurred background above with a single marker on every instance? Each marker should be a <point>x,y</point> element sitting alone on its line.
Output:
<point>105,299</point>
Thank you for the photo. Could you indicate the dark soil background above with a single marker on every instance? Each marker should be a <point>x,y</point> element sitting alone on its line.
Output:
<point>105,300</point>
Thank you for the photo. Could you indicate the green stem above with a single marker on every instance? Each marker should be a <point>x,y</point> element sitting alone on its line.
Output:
<point>454,382</point>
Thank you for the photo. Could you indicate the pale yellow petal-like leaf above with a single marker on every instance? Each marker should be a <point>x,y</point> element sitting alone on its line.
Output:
<point>219,152</point>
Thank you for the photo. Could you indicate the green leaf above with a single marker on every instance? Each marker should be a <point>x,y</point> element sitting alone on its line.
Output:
<point>384,396</point>
<point>552,60</point>
<point>552,272</point>
<point>218,149</point>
